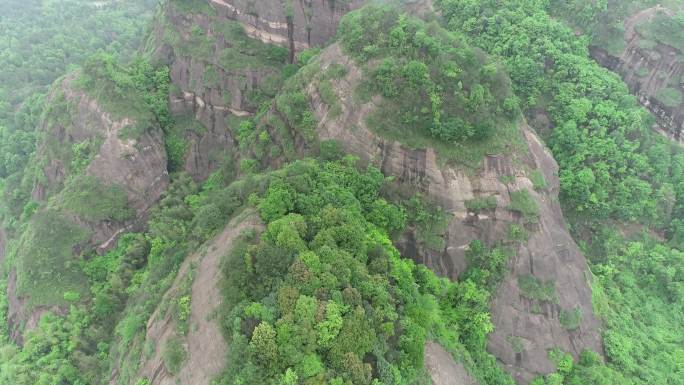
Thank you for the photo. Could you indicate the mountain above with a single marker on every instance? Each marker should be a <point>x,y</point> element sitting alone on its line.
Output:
<point>352,192</point>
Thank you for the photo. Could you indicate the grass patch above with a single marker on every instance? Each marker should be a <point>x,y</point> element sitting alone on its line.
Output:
<point>538,180</point>
<point>479,204</point>
<point>388,121</point>
<point>533,288</point>
<point>89,198</point>
<point>46,264</point>
<point>570,319</point>
<point>174,355</point>
<point>670,97</point>
<point>245,52</point>
<point>523,203</point>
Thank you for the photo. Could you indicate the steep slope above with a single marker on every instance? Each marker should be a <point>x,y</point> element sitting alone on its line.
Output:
<point>516,314</point>
<point>652,68</point>
<point>226,58</point>
<point>199,280</point>
<point>92,183</point>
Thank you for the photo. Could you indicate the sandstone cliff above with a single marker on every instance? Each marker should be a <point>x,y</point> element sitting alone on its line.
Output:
<point>226,58</point>
<point>79,137</point>
<point>651,69</point>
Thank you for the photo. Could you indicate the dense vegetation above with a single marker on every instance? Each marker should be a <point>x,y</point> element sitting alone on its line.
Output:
<point>613,169</point>
<point>322,296</point>
<point>433,84</point>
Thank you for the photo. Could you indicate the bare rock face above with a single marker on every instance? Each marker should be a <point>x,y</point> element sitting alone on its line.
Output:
<point>217,91</point>
<point>138,165</point>
<point>307,23</point>
<point>525,328</point>
<point>648,70</point>
<point>443,369</point>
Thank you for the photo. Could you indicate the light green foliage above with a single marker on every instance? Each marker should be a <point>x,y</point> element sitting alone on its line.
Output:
<point>517,233</point>
<point>480,204</point>
<point>523,202</point>
<point>485,267</point>
<point>183,311</point>
<point>438,92</point>
<point>612,167</point>
<point>89,198</point>
<point>82,154</point>
<point>538,180</point>
<point>609,169</point>
<point>671,97</point>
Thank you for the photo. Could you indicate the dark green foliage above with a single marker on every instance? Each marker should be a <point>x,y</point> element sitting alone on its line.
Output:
<point>570,319</point>
<point>41,40</point>
<point>611,164</point>
<point>89,198</point>
<point>612,167</point>
<point>429,220</point>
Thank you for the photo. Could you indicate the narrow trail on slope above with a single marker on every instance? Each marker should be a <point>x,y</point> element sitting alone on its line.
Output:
<point>205,346</point>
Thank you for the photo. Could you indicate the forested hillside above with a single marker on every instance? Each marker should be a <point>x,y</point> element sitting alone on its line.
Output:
<point>352,192</point>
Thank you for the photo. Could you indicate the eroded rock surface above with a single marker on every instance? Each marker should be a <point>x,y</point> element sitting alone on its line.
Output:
<point>215,85</point>
<point>647,70</point>
<point>525,329</point>
<point>138,165</point>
